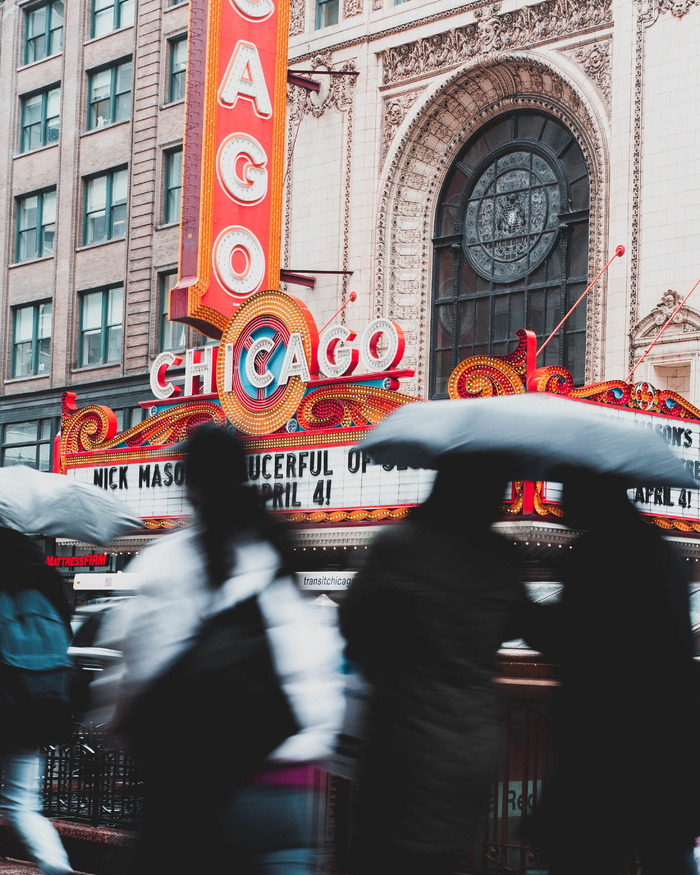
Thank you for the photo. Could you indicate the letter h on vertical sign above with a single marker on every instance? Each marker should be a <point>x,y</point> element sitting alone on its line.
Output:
<point>233,169</point>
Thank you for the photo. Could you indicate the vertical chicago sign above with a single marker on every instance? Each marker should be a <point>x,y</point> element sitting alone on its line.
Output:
<point>233,159</point>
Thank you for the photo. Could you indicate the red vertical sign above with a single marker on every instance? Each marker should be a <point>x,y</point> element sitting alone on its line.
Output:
<point>233,170</point>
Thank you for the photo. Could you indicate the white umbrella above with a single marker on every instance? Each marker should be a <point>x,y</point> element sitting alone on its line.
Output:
<point>38,503</point>
<point>538,436</point>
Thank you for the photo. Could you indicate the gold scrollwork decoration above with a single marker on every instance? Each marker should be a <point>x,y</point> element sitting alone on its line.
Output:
<point>347,405</point>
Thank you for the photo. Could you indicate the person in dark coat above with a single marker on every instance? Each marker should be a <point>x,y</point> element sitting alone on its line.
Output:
<point>21,735</point>
<point>627,713</point>
<point>424,619</point>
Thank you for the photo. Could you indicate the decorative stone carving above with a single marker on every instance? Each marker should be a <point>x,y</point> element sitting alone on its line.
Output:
<point>647,328</point>
<point>595,61</point>
<point>352,7</point>
<point>297,13</point>
<point>417,167</point>
<point>395,109</point>
<point>492,32</point>
<point>377,4</point>
<point>650,10</point>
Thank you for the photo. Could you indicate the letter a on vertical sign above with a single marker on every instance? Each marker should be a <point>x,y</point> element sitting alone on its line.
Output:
<point>233,169</point>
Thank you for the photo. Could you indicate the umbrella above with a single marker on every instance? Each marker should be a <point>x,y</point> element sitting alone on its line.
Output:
<point>38,503</point>
<point>538,436</point>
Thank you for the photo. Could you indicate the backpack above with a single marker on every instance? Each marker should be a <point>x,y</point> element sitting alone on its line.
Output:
<point>35,673</point>
<point>222,699</point>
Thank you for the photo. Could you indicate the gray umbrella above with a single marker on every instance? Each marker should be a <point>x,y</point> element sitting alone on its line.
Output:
<point>538,436</point>
<point>38,503</point>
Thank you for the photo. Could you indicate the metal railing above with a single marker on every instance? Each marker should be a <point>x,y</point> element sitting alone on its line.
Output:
<point>90,781</point>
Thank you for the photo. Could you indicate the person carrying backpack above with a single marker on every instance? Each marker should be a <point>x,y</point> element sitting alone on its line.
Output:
<point>34,692</point>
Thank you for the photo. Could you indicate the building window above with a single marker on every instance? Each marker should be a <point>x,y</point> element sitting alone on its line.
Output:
<point>326,13</point>
<point>109,15</point>
<point>177,2</point>
<point>173,185</point>
<point>173,335</point>
<point>28,443</point>
<point>36,225</point>
<point>43,31</point>
<point>109,95</point>
<point>31,340</point>
<point>178,65</point>
<point>39,119</point>
<point>105,206</point>
<point>511,246</point>
<point>101,317</point>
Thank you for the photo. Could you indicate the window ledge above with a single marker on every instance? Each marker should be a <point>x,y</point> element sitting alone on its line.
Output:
<point>79,369</point>
<point>96,39</point>
<point>24,379</point>
<point>162,225</point>
<point>40,61</point>
<point>85,246</point>
<point>107,127</point>
<point>53,145</point>
<point>31,261</point>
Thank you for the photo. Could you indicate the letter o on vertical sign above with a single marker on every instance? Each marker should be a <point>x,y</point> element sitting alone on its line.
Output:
<point>255,9</point>
<point>263,322</point>
<point>242,243</point>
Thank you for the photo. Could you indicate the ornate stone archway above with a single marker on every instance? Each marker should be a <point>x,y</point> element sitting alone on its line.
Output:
<point>423,150</point>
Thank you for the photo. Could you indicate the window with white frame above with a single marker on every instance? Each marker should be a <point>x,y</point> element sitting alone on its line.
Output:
<point>36,225</point>
<point>31,339</point>
<point>101,326</point>
<point>105,206</point>
<point>39,118</point>
<point>109,95</point>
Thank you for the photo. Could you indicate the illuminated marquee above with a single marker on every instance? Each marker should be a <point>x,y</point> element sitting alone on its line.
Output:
<point>271,353</point>
<point>233,158</point>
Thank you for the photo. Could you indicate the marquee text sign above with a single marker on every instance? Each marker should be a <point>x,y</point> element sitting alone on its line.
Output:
<point>294,480</point>
<point>302,478</point>
<point>233,158</point>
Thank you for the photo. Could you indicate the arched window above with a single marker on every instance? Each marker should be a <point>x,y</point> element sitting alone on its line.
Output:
<point>511,246</point>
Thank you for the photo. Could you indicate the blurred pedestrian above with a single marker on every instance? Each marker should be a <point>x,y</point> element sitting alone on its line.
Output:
<point>424,620</point>
<point>25,727</point>
<point>230,771</point>
<point>627,713</point>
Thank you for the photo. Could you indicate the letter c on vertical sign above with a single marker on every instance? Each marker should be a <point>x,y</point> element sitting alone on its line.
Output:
<point>240,243</point>
<point>255,9</point>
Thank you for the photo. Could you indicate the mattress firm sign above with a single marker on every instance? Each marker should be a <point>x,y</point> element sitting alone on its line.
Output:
<point>300,479</point>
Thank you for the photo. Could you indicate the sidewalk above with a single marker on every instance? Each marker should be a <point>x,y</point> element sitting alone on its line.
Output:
<point>19,867</point>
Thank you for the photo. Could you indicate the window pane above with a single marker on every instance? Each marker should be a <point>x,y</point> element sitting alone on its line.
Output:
<point>92,310</point>
<point>126,13</point>
<point>97,193</point>
<point>24,323</point>
<point>115,305</point>
<point>20,456</point>
<point>91,348</point>
<point>103,17</point>
<point>20,432</point>
<point>114,344</point>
